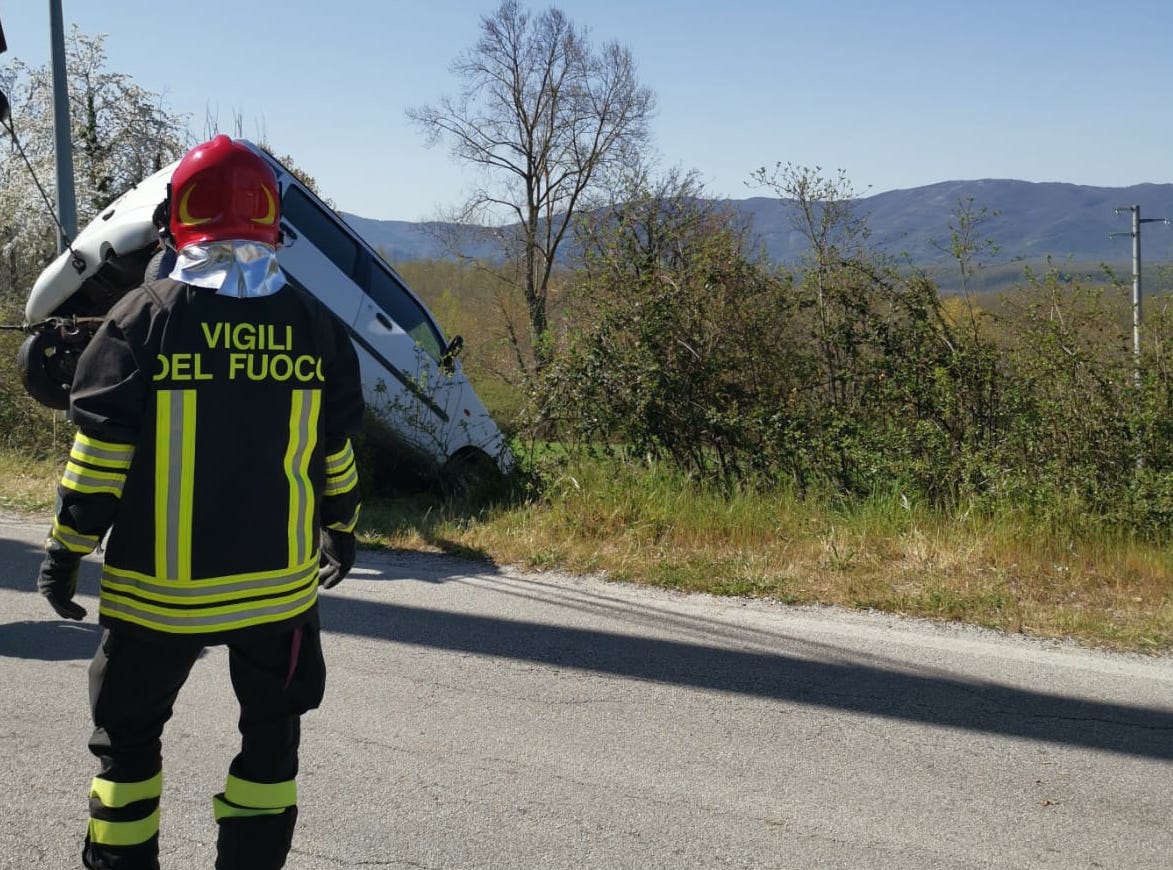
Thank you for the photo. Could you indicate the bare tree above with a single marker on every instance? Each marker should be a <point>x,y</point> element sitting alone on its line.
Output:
<point>545,117</point>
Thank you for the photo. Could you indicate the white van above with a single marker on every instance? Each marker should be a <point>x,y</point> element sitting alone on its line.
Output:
<point>411,377</point>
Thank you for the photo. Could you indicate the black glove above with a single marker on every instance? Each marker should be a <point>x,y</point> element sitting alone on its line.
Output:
<point>58,580</point>
<point>338,550</point>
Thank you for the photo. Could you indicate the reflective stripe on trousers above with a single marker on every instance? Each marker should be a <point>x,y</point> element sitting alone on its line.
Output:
<point>124,813</point>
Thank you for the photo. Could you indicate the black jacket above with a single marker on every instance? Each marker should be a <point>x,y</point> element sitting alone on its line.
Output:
<point>214,443</point>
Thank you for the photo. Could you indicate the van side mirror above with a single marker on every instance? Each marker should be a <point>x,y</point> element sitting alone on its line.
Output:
<point>5,109</point>
<point>448,358</point>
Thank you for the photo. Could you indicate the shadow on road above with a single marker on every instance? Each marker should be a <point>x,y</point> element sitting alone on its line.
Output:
<point>19,563</point>
<point>867,689</point>
<point>54,640</point>
<point>51,639</point>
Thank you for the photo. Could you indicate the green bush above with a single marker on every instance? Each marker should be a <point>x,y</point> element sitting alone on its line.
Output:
<point>854,377</point>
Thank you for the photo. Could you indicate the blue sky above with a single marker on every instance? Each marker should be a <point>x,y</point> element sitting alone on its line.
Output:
<point>897,94</point>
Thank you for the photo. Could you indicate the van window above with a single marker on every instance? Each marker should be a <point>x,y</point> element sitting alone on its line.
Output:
<point>403,308</point>
<point>321,230</point>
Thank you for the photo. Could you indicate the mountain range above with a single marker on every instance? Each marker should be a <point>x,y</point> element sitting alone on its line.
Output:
<point>1026,221</point>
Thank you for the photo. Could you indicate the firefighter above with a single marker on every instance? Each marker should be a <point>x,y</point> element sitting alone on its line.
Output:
<point>214,411</point>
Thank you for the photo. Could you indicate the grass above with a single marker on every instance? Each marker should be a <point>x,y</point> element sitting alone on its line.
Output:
<point>637,524</point>
<point>28,485</point>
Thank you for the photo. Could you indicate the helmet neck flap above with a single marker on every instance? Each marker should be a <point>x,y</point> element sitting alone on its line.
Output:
<point>232,268</point>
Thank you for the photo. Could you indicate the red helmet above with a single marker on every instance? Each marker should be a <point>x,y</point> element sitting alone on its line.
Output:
<point>222,190</point>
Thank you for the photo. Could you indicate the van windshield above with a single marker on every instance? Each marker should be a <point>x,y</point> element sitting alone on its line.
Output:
<point>321,229</point>
<point>384,288</point>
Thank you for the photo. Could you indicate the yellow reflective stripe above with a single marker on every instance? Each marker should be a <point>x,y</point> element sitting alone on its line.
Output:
<point>162,478</point>
<point>82,479</point>
<point>105,454</point>
<point>119,794</point>
<point>206,620</point>
<point>124,833</point>
<point>224,810</point>
<point>305,407</point>
<point>347,525</point>
<point>212,590</point>
<point>175,420</point>
<point>71,539</point>
<point>336,462</point>
<point>261,795</point>
<point>211,612</point>
<point>340,484</point>
<point>187,485</point>
<point>309,526</point>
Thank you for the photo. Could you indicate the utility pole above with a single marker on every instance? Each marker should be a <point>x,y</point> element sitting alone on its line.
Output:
<point>63,139</point>
<point>1137,220</point>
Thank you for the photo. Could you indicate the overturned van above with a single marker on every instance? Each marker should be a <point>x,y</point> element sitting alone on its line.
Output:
<point>412,380</point>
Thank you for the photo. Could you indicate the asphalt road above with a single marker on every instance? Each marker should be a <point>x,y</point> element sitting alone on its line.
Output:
<point>483,718</point>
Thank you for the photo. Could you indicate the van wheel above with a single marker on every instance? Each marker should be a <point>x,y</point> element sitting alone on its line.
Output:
<point>469,473</point>
<point>46,365</point>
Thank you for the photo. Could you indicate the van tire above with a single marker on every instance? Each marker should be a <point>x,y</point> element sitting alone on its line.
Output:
<point>470,472</point>
<point>46,368</point>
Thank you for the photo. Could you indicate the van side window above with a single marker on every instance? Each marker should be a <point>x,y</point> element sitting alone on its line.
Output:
<point>403,308</point>
<point>321,230</point>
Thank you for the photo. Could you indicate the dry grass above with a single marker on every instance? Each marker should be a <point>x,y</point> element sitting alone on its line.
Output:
<point>885,556</point>
<point>637,526</point>
<point>27,484</point>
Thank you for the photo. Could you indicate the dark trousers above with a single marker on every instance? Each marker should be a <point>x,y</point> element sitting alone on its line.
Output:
<point>134,681</point>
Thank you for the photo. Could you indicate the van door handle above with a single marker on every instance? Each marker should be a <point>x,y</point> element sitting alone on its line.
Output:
<point>383,319</point>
